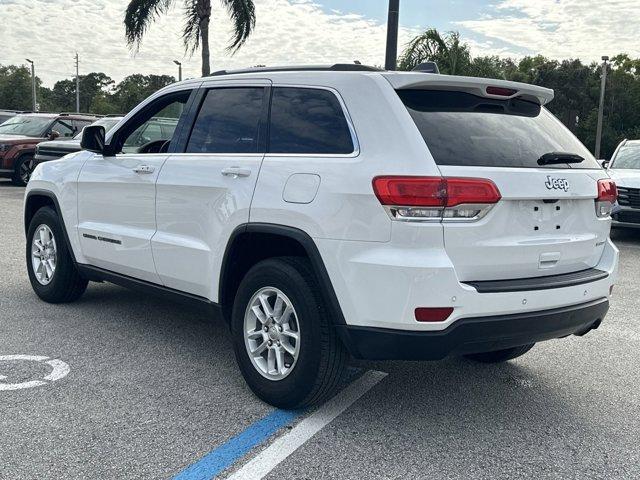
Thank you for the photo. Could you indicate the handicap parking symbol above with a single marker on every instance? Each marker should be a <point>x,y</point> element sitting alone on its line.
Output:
<point>59,369</point>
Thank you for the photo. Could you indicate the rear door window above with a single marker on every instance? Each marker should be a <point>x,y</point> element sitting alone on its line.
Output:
<point>464,129</point>
<point>228,121</point>
<point>308,121</point>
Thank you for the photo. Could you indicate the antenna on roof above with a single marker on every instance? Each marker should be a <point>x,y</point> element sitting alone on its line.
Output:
<point>427,67</point>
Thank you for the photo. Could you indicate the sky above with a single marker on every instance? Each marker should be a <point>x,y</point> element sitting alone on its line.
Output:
<point>308,32</point>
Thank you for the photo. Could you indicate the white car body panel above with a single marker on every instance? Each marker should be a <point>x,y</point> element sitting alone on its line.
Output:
<point>198,208</point>
<point>116,213</point>
<point>60,179</point>
<point>175,225</point>
<point>625,178</point>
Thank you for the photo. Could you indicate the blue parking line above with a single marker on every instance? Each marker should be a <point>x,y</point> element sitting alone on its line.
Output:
<point>235,448</point>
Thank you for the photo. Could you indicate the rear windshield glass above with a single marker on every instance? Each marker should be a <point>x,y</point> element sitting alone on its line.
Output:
<point>464,129</point>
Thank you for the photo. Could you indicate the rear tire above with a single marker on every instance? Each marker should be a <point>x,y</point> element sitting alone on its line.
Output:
<point>500,355</point>
<point>22,171</point>
<point>52,273</point>
<point>313,365</point>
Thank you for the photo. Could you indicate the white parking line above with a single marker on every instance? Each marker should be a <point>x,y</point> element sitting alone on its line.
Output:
<point>288,443</point>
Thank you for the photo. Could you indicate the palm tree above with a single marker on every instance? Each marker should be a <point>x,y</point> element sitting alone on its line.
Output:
<point>451,55</point>
<point>141,13</point>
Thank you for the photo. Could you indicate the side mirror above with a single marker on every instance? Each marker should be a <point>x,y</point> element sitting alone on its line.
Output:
<point>53,134</point>
<point>604,163</point>
<point>93,139</point>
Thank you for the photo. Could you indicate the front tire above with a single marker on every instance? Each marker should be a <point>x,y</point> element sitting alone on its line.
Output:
<point>500,355</point>
<point>52,272</point>
<point>23,170</point>
<point>285,345</point>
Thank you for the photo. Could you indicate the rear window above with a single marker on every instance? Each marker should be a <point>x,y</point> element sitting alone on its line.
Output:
<point>308,121</point>
<point>463,129</point>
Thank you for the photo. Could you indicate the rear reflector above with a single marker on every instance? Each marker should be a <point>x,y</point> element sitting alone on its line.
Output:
<point>501,91</point>
<point>607,191</point>
<point>434,191</point>
<point>433,314</point>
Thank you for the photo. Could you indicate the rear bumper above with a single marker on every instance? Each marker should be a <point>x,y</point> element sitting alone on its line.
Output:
<point>473,335</point>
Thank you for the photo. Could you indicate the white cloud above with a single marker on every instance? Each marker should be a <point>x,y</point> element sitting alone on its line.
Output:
<point>287,32</point>
<point>585,29</point>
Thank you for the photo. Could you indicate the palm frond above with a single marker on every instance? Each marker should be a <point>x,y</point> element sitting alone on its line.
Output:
<point>243,15</point>
<point>191,32</point>
<point>139,15</point>
<point>426,46</point>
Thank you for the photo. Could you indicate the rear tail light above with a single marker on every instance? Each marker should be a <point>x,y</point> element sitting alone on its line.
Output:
<point>438,314</point>
<point>436,198</point>
<point>607,196</point>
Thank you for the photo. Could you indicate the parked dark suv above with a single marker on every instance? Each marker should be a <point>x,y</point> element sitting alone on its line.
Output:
<point>20,135</point>
<point>7,114</point>
<point>55,149</point>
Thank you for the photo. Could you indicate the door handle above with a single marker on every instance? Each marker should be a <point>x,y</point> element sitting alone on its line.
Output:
<point>236,172</point>
<point>144,169</point>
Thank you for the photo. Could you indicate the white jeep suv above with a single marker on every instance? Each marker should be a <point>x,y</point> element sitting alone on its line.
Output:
<point>328,211</point>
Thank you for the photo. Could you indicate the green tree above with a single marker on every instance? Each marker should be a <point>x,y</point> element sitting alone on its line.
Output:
<point>135,88</point>
<point>15,87</point>
<point>141,13</point>
<point>448,51</point>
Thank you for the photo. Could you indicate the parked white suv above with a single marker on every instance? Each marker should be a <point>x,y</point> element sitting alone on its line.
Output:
<point>339,210</point>
<point>624,169</point>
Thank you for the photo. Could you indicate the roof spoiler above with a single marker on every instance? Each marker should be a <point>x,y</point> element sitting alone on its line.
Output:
<point>482,87</point>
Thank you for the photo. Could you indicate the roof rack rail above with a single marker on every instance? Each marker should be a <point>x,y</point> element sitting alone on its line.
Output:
<point>66,114</point>
<point>338,67</point>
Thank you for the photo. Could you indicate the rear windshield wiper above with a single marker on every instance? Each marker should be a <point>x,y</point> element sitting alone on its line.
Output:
<point>554,158</point>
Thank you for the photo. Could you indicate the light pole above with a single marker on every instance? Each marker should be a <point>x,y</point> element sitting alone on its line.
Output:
<point>391,57</point>
<point>77,83</point>
<point>33,82</point>
<point>603,83</point>
<point>179,69</point>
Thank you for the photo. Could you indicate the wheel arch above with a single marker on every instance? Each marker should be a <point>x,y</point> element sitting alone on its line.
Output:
<point>34,201</point>
<point>273,240</point>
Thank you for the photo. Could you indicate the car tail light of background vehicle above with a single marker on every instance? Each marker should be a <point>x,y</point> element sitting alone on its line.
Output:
<point>607,196</point>
<point>410,198</point>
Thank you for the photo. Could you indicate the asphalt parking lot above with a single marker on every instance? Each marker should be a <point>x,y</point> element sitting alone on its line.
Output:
<point>152,387</point>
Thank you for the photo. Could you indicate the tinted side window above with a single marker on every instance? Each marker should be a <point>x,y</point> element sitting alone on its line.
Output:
<point>228,121</point>
<point>143,133</point>
<point>307,120</point>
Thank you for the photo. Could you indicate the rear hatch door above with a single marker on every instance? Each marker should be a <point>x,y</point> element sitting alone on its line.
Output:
<point>546,222</point>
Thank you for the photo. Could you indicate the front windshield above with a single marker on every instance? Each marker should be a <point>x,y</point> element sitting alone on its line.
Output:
<point>30,126</point>
<point>107,123</point>
<point>627,158</point>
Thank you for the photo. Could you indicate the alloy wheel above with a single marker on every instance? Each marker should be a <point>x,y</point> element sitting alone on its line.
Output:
<point>26,169</point>
<point>272,333</point>
<point>44,254</point>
